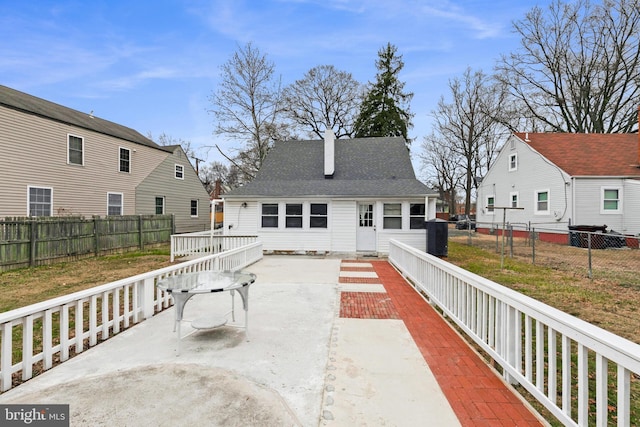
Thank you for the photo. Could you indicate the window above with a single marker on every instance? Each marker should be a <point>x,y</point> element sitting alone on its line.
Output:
<point>513,162</point>
<point>514,199</point>
<point>392,216</point>
<point>416,215</point>
<point>194,208</point>
<point>365,215</point>
<point>40,201</point>
<point>293,218</point>
<point>611,202</point>
<point>75,150</point>
<point>318,217</point>
<point>270,215</point>
<point>542,202</point>
<point>125,160</point>
<point>114,203</point>
<point>491,202</point>
<point>159,205</point>
<point>179,172</point>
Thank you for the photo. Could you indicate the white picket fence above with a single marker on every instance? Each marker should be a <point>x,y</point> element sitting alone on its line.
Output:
<point>513,329</point>
<point>60,324</point>
<point>203,243</point>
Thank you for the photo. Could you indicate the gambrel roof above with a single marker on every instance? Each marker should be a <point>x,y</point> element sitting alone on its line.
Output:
<point>364,167</point>
<point>30,104</point>
<point>589,154</point>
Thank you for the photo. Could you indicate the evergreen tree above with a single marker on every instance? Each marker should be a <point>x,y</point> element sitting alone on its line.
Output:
<point>385,110</point>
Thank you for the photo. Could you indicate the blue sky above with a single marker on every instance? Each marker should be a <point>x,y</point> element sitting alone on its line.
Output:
<point>152,65</point>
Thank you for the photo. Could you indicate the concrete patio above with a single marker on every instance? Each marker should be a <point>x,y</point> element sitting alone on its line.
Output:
<point>308,361</point>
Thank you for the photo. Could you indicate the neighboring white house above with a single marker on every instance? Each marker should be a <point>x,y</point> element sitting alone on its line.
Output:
<point>333,196</point>
<point>562,179</point>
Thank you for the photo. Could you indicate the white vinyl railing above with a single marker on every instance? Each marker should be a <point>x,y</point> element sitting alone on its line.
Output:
<point>564,362</point>
<point>51,329</point>
<point>203,243</point>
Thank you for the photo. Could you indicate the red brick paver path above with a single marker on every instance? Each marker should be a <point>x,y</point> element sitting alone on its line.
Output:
<point>476,394</point>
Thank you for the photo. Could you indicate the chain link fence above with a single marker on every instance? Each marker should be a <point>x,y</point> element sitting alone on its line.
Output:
<point>586,251</point>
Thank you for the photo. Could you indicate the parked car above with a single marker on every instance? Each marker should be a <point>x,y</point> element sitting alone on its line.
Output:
<point>466,222</point>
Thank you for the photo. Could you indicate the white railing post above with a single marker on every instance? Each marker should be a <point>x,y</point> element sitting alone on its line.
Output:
<point>149,288</point>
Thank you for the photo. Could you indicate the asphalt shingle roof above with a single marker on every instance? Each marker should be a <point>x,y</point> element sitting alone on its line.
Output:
<point>32,105</point>
<point>363,167</point>
<point>589,154</point>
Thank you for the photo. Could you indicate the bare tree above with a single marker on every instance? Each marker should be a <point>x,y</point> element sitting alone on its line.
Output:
<point>443,169</point>
<point>468,127</point>
<point>577,69</point>
<point>325,98</point>
<point>246,107</point>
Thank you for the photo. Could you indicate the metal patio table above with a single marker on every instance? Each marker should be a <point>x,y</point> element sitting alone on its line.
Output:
<point>184,286</point>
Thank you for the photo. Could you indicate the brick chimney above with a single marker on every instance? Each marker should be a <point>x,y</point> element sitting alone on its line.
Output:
<point>329,154</point>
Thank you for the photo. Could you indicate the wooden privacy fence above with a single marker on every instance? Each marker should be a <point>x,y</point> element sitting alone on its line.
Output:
<point>28,242</point>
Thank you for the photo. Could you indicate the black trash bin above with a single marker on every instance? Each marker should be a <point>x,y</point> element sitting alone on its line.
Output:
<point>579,236</point>
<point>437,237</point>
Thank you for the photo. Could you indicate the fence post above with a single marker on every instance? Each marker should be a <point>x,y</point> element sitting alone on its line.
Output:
<point>140,233</point>
<point>96,235</point>
<point>33,246</point>
<point>533,245</point>
<point>511,240</point>
<point>589,249</point>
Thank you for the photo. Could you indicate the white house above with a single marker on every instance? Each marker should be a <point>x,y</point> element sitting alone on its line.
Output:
<point>562,179</point>
<point>333,196</point>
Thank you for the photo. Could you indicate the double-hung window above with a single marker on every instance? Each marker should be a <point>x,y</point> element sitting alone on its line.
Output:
<point>318,215</point>
<point>194,208</point>
<point>293,215</point>
<point>270,215</point>
<point>179,172</point>
<point>114,203</point>
<point>514,199</point>
<point>416,215</point>
<point>40,201</point>
<point>491,203</point>
<point>513,162</point>
<point>75,150</point>
<point>611,201</point>
<point>124,164</point>
<point>392,216</point>
<point>159,205</point>
<point>542,202</point>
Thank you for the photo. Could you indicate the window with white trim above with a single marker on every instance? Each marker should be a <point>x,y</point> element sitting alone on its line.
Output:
<point>491,202</point>
<point>318,215</point>
<point>611,200</point>
<point>179,172</point>
<point>75,150</point>
<point>542,202</point>
<point>115,203</point>
<point>194,208</point>
<point>416,216</point>
<point>293,215</point>
<point>513,198</point>
<point>40,201</point>
<point>159,205</point>
<point>392,216</point>
<point>269,215</point>
<point>124,161</point>
<point>513,162</point>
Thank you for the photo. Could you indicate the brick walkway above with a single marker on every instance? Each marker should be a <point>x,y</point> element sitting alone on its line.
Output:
<point>476,394</point>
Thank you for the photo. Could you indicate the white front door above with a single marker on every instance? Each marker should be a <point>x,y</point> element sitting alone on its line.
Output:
<point>366,234</point>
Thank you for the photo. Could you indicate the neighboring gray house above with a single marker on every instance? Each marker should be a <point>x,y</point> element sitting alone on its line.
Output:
<point>333,196</point>
<point>564,178</point>
<point>58,161</point>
